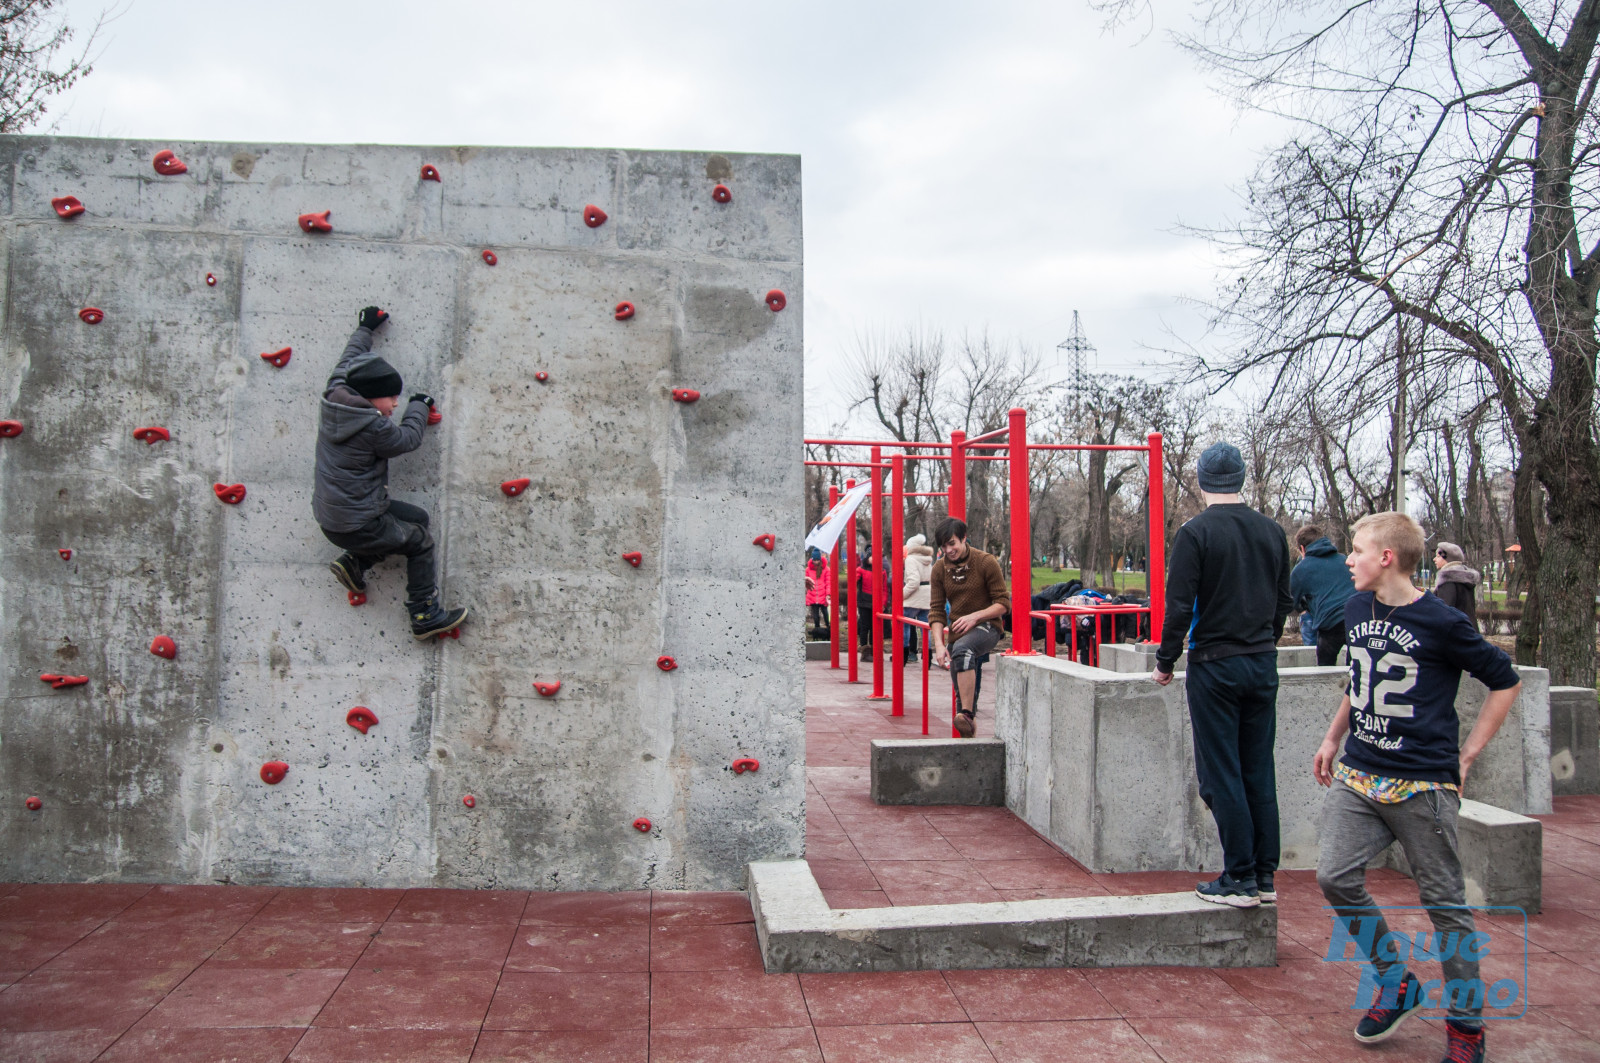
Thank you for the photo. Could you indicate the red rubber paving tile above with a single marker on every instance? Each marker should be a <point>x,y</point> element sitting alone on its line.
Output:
<point>891,842</point>
<point>1538,1037</point>
<point>1573,853</point>
<point>843,875</point>
<point>440,946</point>
<point>256,1045</point>
<point>69,902</point>
<point>324,945</point>
<point>1569,889</point>
<point>209,904</point>
<point>1551,979</point>
<point>603,1001</point>
<point>83,1000</point>
<point>562,1046</point>
<point>797,1045</point>
<point>1585,1018</point>
<point>1562,930</point>
<point>124,946</point>
<point>931,875</point>
<point>885,997</point>
<point>554,949</point>
<point>588,909</point>
<point>856,899</point>
<point>223,997</point>
<point>1055,873</point>
<point>1002,847</point>
<point>330,906</point>
<point>1330,1036</point>
<point>416,1000</point>
<point>733,1000</point>
<point>1220,1039</point>
<point>668,908</point>
<point>945,1042</point>
<point>26,945</point>
<point>1134,882</point>
<point>55,1046</point>
<point>460,906</point>
<point>1296,988</point>
<point>1053,994</point>
<point>1162,991</point>
<point>831,846</point>
<point>731,947</point>
<point>903,898</point>
<point>323,1045</point>
<point>1087,1041</point>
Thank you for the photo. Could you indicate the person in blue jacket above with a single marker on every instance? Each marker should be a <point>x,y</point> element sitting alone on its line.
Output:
<point>1320,584</point>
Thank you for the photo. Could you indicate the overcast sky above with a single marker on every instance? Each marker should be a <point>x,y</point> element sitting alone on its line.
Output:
<point>965,165</point>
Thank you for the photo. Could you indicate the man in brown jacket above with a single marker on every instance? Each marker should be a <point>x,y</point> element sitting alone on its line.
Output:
<point>970,582</point>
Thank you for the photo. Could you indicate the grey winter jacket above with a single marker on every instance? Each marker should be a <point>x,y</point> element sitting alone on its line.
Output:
<point>354,445</point>
<point>1457,587</point>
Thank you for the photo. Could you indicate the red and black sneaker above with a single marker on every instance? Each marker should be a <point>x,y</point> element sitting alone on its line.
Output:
<point>1392,1007</point>
<point>1464,1044</point>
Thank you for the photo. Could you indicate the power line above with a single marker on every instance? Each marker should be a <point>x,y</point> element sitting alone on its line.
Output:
<point>1078,350</point>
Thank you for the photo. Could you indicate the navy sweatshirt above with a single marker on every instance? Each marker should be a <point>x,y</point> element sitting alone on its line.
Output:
<point>1405,670</point>
<point>1322,584</point>
<point>1230,569</point>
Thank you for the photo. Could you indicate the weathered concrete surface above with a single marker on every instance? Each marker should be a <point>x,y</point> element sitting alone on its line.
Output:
<point>1102,763</point>
<point>1141,657</point>
<point>938,771</point>
<point>1502,857</point>
<point>1574,741</point>
<point>799,932</point>
<point>150,772</point>
<point>819,651</point>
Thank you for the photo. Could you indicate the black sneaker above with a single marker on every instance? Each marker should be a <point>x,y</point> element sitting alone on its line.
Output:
<point>347,570</point>
<point>1264,888</point>
<point>1389,1010</point>
<point>429,620</point>
<point>965,727</point>
<point>1463,1044</point>
<point>1230,891</point>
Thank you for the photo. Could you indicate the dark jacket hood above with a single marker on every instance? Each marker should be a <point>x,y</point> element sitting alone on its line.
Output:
<point>1322,547</point>
<point>344,413</point>
<point>1459,572</point>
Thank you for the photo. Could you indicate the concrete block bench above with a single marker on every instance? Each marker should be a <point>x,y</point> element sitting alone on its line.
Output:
<point>938,771</point>
<point>1502,856</point>
<point>1574,741</point>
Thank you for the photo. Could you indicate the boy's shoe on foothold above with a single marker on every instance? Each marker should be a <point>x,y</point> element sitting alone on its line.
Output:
<point>1229,891</point>
<point>964,725</point>
<point>429,620</point>
<point>1264,889</point>
<point>1392,1007</point>
<point>1463,1044</point>
<point>347,570</point>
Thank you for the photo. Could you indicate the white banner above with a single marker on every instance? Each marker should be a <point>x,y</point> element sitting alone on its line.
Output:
<point>831,526</point>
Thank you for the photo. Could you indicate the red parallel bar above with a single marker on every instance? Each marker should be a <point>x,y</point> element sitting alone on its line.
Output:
<point>926,653</point>
<point>1097,611</point>
<point>991,435</point>
<point>875,443</point>
<point>877,571</point>
<point>833,594</point>
<point>850,588</point>
<point>926,494</point>
<point>897,634</point>
<point>1083,446</point>
<point>840,464</point>
<point>1021,536</point>
<point>1156,577</point>
<point>1049,629</point>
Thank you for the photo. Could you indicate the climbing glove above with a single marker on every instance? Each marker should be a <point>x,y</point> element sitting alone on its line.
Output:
<point>420,397</point>
<point>372,317</point>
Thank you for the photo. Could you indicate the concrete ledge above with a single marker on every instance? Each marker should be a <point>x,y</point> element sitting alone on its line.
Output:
<point>800,933</point>
<point>1141,657</point>
<point>938,771</point>
<point>1502,856</point>
<point>821,651</point>
<point>1574,741</point>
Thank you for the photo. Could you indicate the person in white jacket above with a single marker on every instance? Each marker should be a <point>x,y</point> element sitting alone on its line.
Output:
<point>915,592</point>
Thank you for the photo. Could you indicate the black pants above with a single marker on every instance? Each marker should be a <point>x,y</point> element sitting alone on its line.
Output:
<point>864,622</point>
<point>1233,708</point>
<point>1330,640</point>
<point>403,529</point>
<point>819,619</point>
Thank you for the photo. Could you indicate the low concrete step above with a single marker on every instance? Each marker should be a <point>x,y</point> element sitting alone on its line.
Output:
<point>799,932</point>
<point>938,771</point>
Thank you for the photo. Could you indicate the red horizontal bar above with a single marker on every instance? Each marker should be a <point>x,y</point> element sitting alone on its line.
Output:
<point>871,443</point>
<point>923,624</point>
<point>852,464</point>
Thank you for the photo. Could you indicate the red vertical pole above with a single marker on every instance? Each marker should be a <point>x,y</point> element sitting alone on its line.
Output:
<point>926,653</point>
<point>833,628</point>
<point>1156,577</point>
<point>957,504</point>
<point>1021,535</point>
<point>1049,636</point>
<point>877,568</point>
<point>897,504</point>
<point>851,612</point>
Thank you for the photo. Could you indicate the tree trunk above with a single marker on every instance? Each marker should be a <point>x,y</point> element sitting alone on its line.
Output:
<point>1525,511</point>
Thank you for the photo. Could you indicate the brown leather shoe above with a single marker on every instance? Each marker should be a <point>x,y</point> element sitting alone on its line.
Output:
<point>964,725</point>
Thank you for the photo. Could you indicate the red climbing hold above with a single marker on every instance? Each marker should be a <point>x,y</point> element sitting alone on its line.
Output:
<point>767,540</point>
<point>66,554</point>
<point>542,377</point>
<point>361,718</point>
<point>163,646</point>
<point>430,172</point>
<point>470,801</point>
<point>513,488</point>
<point>776,301</point>
<point>721,194</point>
<point>152,435</point>
<point>624,311</point>
<point>744,764</point>
<point>278,358</point>
<point>10,429</point>
<point>685,395</point>
<point>547,690</point>
<point>273,771</point>
<point>316,223</point>
<point>34,804</point>
<point>211,280</point>
<point>92,315</point>
<point>593,216</point>
<point>434,416</point>
<point>356,597</point>
<point>168,165</point>
<point>635,558</point>
<point>68,206</point>
<point>665,663</point>
<point>59,681</point>
<point>453,633</point>
<point>642,825</point>
<point>232,494</point>
<point>489,256</point>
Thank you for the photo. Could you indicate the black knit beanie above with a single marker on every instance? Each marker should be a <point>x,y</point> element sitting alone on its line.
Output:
<point>1221,469</point>
<point>375,380</point>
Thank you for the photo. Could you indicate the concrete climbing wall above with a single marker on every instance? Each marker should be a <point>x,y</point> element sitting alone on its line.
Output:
<point>151,770</point>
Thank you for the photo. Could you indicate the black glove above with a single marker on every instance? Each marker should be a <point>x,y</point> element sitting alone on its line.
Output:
<point>419,397</point>
<point>371,317</point>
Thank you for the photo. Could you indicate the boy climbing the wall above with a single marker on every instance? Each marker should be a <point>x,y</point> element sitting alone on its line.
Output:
<point>1401,773</point>
<point>351,500</point>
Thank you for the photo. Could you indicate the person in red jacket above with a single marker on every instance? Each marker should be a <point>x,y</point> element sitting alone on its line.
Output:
<point>819,593</point>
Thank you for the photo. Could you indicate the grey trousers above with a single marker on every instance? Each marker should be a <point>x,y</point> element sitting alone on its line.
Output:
<point>1354,830</point>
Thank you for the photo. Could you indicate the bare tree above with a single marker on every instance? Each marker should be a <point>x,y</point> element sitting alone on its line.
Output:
<point>35,64</point>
